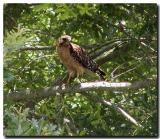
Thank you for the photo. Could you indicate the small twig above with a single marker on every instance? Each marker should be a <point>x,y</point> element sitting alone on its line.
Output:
<point>124,72</point>
<point>115,70</point>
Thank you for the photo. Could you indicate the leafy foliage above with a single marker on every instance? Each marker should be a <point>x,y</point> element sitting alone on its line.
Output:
<point>122,37</point>
<point>20,125</point>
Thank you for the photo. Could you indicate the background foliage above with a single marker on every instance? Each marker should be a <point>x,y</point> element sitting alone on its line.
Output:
<point>31,25</point>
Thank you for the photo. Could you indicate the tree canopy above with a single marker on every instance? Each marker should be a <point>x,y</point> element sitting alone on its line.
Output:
<point>122,38</point>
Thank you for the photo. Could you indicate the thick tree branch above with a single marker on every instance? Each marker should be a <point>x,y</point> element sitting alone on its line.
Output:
<point>28,95</point>
<point>83,88</point>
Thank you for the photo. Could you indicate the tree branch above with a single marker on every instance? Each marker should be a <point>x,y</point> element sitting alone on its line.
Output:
<point>98,99</point>
<point>37,48</point>
<point>29,95</point>
<point>114,53</point>
<point>105,48</point>
<point>108,44</point>
<point>83,88</point>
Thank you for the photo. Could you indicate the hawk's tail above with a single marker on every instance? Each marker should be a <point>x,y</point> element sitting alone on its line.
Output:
<point>100,73</point>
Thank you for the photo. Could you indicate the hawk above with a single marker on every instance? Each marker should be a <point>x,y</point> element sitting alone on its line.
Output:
<point>75,59</point>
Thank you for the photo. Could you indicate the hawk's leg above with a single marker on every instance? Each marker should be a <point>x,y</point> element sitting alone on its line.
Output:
<point>78,78</point>
<point>70,76</point>
<point>64,80</point>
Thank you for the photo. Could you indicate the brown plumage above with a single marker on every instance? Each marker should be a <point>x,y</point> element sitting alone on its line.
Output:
<point>76,60</point>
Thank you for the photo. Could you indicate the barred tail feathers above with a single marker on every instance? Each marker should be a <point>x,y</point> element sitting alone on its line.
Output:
<point>100,73</point>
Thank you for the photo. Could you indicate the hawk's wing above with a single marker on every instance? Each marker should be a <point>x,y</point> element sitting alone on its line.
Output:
<point>83,58</point>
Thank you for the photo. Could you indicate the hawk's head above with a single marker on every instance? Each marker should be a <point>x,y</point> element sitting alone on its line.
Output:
<point>64,40</point>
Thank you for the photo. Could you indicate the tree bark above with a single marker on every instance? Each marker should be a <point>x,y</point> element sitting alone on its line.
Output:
<point>28,94</point>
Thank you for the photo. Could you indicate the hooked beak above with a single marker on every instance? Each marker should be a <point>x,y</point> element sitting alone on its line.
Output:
<point>61,41</point>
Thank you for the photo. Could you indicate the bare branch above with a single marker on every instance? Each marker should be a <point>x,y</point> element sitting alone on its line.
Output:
<point>110,55</point>
<point>124,72</point>
<point>28,95</point>
<point>105,48</point>
<point>37,48</point>
<point>83,88</point>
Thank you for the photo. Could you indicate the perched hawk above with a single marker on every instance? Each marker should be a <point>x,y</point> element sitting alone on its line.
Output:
<point>76,59</point>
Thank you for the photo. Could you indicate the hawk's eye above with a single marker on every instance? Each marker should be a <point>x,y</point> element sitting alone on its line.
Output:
<point>64,39</point>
